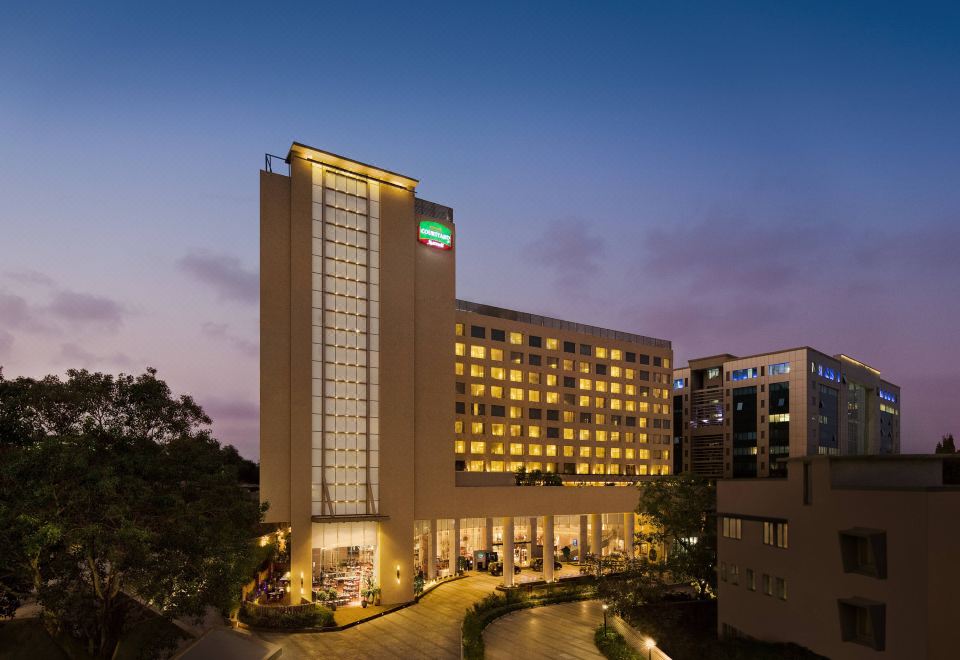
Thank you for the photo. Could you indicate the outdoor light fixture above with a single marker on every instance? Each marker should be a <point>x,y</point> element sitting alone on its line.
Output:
<point>649,644</point>
<point>398,573</point>
<point>605,606</point>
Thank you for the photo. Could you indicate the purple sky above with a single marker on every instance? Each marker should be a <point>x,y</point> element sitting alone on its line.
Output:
<point>736,178</point>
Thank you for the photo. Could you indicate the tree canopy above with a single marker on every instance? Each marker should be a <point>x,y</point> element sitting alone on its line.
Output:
<point>682,511</point>
<point>946,445</point>
<point>112,489</point>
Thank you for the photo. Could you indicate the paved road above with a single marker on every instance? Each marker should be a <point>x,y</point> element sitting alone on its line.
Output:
<point>429,629</point>
<point>555,631</point>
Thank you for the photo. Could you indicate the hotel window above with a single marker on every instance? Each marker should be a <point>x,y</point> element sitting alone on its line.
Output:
<point>516,393</point>
<point>496,354</point>
<point>516,376</point>
<point>478,352</point>
<point>629,374</point>
<point>614,452</point>
<point>601,435</point>
<point>478,332</point>
<point>516,430</point>
<point>496,391</point>
<point>535,450</point>
<point>615,436</point>
<point>780,588</point>
<point>863,621</point>
<point>732,527</point>
<point>551,450</point>
<point>583,468</point>
<point>567,451</point>
<point>533,395</point>
<point>641,437</point>
<point>458,426</point>
<point>568,434</point>
<point>630,389</point>
<point>534,431</point>
<point>614,468</point>
<point>458,329</point>
<point>600,452</point>
<point>534,465</point>
<point>496,466</point>
<point>476,370</point>
<point>516,357</point>
<point>553,344</point>
<point>476,466</point>
<point>616,404</point>
<point>516,338</point>
<point>476,428</point>
<point>601,352</point>
<point>775,534</point>
<point>601,386</point>
<point>598,468</point>
<point>516,448</point>
<point>584,434</point>
<point>460,349</point>
<point>459,446</point>
<point>551,380</point>
<point>630,357</point>
<point>458,368</point>
<point>478,409</point>
<point>584,452</point>
<point>586,384</point>
<point>615,387</point>
<point>568,415</point>
<point>630,405</point>
<point>569,347</point>
<point>584,367</point>
<point>751,580</point>
<point>864,551</point>
<point>496,448</point>
<point>600,418</point>
<point>644,454</point>
<point>586,349</point>
<point>533,378</point>
<point>478,447</point>
<point>515,465</point>
<point>615,371</point>
<point>767,585</point>
<point>477,389</point>
<point>553,363</point>
<point>497,429</point>
<point>534,341</point>
<point>616,354</point>
<point>497,373</point>
<point>497,335</point>
<point>516,412</point>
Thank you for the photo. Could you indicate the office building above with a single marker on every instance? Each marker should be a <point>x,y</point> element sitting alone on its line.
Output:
<point>745,416</point>
<point>394,417</point>
<point>849,556</point>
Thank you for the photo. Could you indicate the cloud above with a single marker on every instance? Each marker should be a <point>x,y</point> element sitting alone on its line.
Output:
<point>572,250</point>
<point>79,357</point>
<point>225,274</point>
<point>6,343</point>
<point>87,308</point>
<point>16,312</point>
<point>220,332</point>
<point>27,276</point>
<point>225,411</point>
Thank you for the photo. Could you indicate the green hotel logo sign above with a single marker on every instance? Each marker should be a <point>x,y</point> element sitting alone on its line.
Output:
<point>435,235</point>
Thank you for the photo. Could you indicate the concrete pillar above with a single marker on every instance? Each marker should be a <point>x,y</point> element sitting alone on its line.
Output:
<point>629,535</point>
<point>532,526</point>
<point>454,546</point>
<point>488,535</point>
<point>596,534</point>
<point>582,540</point>
<point>301,562</point>
<point>549,548</point>
<point>432,551</point>
<point>507,551</point>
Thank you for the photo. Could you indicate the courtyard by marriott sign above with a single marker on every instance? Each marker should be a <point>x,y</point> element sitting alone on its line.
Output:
<point>435,235</point>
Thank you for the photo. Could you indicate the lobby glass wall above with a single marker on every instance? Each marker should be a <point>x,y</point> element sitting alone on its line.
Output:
<point>344,560</point>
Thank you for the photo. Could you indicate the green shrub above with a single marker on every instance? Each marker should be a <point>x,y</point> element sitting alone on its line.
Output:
<point>298,616</point>
<point>612,644</point>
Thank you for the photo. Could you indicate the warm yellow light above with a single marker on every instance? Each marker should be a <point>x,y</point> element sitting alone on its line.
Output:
<point>605,606</point>
<point>649,643</point>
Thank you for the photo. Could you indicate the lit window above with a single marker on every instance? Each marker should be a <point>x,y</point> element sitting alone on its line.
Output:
<point>614,469</point>
<point>551,380</point>
<point>601,435</point>
<point>475,466</point>
<point>458,368</point>
<point>477,389</point>
<point>666,363</point>
<point>643,406</point>
<point>496,466</point>
<point>779,417</point>
<point>583,468</point>
<point>516,412</point>
<point>476,370</point>
<point>533,395</point>
<point>778,369</point>
<point>496,354</point>
<point>630,389</point>
<point>516,376</point>
<point>459,446</point>
<point>460,349</point>
<point>615,387</point>
<point>534,431</point>
<point>516,393</point>
<point>744,374</point>
<point>478,352</point>
<point>496,391</point>
<point>599,418</point>
<point>553,397</point>
<point>586,384</point>
<point>641,437</point>
<point>496,448</point>
<point>616,404</point>
<point>600,452</point>
<point>551,450</point>
<point>584,452</point>
<point>567,434</point>
<point>478,447</point>
<point>642,422</point>
<point>568,416</point>
<point>515,465</point>
<point>497,429</point>
<point>533,378</point>
<point>585,401</point>
<point>616,354</point>
<point>553,344</point>
<point>643,454</point>
<point>601,386</point>
<point>497,373</point>
<point>535,450</point>
<point>628,453</point>
<point>615,371</point>
<point>614,452</point>
<point>568,365</point>
<point>584,434</point>
<point>585,368</point>
<point>630,405</point>
<point>516,337</point>
<point>534,465</point>
<point>516,430</point>
<point>516,448</point>
<point>458,426</point>
<point>476,428</point>
<point>458,329</point>
<point>567,451</point>
<point>601,352</point>
<point>598,468</point>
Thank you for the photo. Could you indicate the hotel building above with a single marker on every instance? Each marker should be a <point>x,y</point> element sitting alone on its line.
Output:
<point>745,416</point>
<point>850,556</point>
<point>394,416</point>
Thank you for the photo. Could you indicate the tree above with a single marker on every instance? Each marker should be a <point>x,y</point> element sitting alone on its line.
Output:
<point>112,489</point>
<point>682,512</point>
<point>946,445</point>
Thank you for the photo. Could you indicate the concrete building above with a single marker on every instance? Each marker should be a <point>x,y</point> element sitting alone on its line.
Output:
<point>393,415</point>
<point>744,416</point>
<point>852,557</point>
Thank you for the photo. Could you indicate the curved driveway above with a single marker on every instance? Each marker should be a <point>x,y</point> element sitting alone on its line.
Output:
<point>554,631</point>
<point>429,629</point>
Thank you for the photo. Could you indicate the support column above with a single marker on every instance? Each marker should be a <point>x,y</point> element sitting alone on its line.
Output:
<point>507,551</point>
<point>488,535</point>
<point>532,526</point>
<point>629,535</point>
<point>432,551</point>
<point>549,548</point>
<point>596,534</point>
<point>454,557</point>
<point>582,540</point>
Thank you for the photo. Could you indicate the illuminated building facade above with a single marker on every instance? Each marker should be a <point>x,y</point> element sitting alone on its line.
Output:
<point>745,416</point>
<point>394,417</point>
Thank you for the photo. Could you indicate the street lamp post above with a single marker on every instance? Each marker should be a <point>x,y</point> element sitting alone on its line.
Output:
<point>649,644</point>
<point>605,619</point>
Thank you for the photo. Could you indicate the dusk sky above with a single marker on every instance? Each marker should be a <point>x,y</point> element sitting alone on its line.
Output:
<point>734,177</point>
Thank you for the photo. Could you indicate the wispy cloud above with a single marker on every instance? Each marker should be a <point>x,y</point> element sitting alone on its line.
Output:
<point>221,332</point>
<point>571,250</point>
<point>225,274</point>
<point>87,308</point>
<point>6,343</point>
<point>17,313</point>
<point>32,277</point>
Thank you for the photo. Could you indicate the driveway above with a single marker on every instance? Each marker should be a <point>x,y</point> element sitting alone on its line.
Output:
<point>429,629</point>
<point>554,631</point>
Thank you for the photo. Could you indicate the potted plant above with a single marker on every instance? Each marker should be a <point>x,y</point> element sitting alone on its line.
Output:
<point>370,593</point>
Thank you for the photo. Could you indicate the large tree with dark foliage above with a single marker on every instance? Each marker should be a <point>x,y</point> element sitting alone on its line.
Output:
<point>682,510</point>
<point>112,489</point>
<point>946,445</point>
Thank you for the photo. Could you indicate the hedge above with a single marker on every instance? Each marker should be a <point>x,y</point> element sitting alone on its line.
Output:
<point>612,644</point>
<point>291,617</point>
